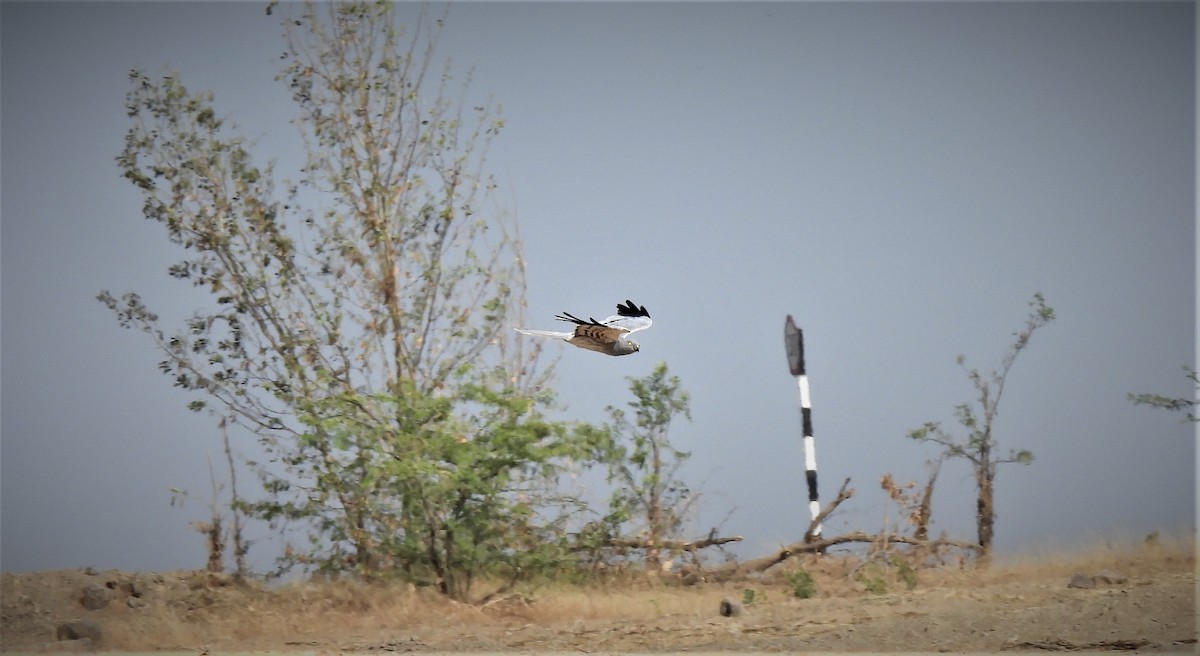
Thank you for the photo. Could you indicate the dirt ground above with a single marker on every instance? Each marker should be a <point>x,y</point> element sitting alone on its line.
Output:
<point>1141,599</point>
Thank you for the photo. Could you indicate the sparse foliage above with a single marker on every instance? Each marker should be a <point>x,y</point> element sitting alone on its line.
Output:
<point>750,596</point>
<point>360,320</point>
<point>907,500</point>
<point>872,578</point>
<point>881,566</point>
<point>978,444</point>
<point>650,498</point>
<point>1173,404</point>
<point>916,506</point>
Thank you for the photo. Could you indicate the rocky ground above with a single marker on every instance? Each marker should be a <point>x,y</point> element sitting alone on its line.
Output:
<point>1141,600</point>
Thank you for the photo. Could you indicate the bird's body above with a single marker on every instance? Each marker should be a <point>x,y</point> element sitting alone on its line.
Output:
<point>610,336</point>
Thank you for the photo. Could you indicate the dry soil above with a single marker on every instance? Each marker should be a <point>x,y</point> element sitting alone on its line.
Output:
<point>1141,599</point>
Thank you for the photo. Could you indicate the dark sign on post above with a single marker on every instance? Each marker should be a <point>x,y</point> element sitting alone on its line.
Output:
<point>793,339</point>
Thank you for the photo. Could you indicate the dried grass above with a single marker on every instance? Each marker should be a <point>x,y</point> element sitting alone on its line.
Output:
<point>1145,556</point>
<point>185,609</point>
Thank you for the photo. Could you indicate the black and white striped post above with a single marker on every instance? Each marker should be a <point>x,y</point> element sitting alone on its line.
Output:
<point>793,339</point>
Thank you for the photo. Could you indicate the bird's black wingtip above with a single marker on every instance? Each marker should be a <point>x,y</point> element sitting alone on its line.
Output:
<point>567,316</point>
<point>629,309</point>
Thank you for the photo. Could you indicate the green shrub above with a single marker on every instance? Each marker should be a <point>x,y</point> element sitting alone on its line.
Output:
<point>802,583</point>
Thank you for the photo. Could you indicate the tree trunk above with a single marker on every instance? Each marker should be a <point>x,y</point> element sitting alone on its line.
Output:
<point>985,513</point>
<point>654,514</point>
<point>216,544</point>
<point>654,539</point>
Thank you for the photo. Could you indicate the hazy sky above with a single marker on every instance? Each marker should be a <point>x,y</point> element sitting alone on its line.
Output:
<point>899,177</point>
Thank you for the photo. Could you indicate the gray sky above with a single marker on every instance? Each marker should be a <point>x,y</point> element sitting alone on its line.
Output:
<point>899,177</point>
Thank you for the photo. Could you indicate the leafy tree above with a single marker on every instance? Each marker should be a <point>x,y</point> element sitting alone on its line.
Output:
<point>978,444</point>
<point>650,499</point>
<point>360,319</point>
<point>1170,403</point>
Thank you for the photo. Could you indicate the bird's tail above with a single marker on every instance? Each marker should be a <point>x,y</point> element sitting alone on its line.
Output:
<point>545,333</point>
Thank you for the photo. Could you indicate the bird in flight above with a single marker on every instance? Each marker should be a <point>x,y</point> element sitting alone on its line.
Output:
<point>610,336</point>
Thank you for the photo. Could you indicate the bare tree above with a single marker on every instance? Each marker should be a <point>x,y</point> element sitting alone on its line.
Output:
<point>978,444</point>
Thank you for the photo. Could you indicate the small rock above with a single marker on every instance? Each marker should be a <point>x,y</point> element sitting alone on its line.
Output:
<point>729,608</point>
<point>78,630</point>
<point>96,597</point>
<point>1110,577</point>
<point>1082,581</point>
<point>90,571</point>
<point>135,602</point>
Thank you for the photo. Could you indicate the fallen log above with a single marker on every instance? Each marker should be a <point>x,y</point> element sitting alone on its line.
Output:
<point>734,570</point>
<point>672,545</point>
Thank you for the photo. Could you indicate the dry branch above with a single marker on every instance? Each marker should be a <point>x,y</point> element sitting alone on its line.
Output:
<point>843,494</point>
<point>813,544</point>
<point>925,510</point>
<point>734,570</point>
<point>672,545</point>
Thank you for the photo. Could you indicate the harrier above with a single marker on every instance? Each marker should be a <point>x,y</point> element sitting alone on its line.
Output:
<point>610,336</point>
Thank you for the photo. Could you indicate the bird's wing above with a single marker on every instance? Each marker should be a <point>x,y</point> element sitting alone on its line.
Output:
<point>545,333</point>
<point>593,330</point>
<point>630,317</point>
